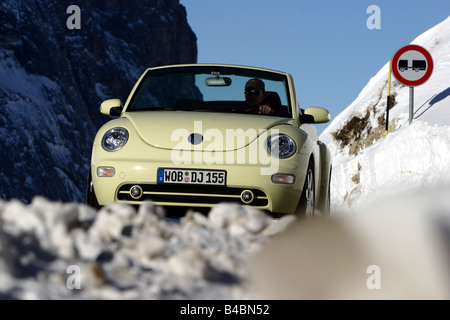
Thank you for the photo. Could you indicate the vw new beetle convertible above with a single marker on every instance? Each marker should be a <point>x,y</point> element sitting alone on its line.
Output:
<point>186,138</point>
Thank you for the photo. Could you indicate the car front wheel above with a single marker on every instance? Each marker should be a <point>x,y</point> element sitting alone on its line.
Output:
<point>91,198</point>
<point>307,199</point>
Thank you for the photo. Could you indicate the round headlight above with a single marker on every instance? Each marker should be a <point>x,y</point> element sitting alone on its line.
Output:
<point>114,139</point>
<point>281,146</point>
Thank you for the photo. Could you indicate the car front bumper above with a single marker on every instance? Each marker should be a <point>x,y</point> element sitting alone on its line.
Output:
<point>256,178</point>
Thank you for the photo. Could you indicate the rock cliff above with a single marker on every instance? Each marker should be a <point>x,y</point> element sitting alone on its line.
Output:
<point>54,74</point>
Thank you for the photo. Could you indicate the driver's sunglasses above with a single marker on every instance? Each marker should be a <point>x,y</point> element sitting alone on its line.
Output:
<point>252,92</point>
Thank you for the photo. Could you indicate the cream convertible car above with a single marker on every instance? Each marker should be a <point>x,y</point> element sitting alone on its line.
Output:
<point>184,139</point>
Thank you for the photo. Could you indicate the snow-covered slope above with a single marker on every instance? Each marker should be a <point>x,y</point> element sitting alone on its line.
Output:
<point>366,164</point>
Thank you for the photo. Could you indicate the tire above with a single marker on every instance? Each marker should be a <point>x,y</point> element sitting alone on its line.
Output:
<point>307,199</point>
<point>91,198</point>
<point>327,205</point>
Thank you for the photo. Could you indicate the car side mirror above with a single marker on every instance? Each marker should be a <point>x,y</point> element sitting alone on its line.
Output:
<point>318,114</point>
<point>111,107</point>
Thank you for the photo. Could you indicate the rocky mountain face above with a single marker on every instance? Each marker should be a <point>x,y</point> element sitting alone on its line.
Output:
<point>57,64</point>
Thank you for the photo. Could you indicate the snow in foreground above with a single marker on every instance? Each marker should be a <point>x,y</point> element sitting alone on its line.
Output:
<point>68,251</point>
<point>123,254</point>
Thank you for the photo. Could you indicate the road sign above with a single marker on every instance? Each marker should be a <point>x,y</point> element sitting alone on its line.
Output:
<point>412,65</point>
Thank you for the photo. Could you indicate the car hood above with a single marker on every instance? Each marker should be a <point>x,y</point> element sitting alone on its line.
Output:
<point>171,129</point>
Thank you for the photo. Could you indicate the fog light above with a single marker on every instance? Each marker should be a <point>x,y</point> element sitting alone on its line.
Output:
<point>283,178</point>
<point>247,196</point>
<point>136,192</point>
<point>106,171</point>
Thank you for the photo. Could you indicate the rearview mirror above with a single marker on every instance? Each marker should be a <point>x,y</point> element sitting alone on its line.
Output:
<point>111,107</point>
<point>218,81</point>
<point>319,114</point>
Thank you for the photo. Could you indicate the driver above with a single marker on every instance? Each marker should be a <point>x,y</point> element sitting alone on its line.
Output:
<point>255,98</point>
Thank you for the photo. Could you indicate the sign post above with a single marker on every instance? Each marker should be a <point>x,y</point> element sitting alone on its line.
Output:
<point>388,104</point>
<point>412,65</point>
<point>411,104</point>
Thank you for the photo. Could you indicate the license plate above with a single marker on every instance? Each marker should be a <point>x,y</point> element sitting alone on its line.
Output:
<point>189,176</point>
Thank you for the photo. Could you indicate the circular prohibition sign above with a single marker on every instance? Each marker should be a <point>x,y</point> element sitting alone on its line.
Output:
<point>395,65</point>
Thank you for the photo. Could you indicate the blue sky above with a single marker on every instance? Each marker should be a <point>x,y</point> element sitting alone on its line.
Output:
<point>325,44</point>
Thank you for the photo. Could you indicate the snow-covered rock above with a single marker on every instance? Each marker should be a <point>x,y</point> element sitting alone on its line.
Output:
<point>53,80</point>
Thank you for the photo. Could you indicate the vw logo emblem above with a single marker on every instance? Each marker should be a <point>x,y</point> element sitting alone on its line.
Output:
<point>195,138</point>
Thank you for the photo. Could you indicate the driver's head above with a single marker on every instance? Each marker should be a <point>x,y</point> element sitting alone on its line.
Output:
<point>255,92</point>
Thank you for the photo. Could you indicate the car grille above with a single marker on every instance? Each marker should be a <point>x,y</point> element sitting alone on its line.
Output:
<point>192,195</point>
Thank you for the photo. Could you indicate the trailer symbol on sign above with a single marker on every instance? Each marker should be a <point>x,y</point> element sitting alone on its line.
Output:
<point>412,65</point>
<point>416,65</point>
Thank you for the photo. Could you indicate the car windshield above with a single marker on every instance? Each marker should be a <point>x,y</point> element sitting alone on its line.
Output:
<point>205,88</point>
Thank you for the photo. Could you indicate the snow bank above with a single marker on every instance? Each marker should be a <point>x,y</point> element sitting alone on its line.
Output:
<point>396,249</point>
<point>52,250</point>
